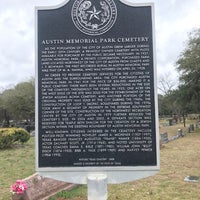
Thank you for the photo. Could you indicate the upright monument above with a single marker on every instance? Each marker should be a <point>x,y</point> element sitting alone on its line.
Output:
<point>96,91</point>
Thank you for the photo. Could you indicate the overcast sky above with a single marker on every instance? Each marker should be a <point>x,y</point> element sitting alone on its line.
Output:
<point>174,19</point>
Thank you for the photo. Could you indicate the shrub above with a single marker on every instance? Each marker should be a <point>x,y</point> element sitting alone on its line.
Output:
<point>21,135</point>
<point>8,136</point>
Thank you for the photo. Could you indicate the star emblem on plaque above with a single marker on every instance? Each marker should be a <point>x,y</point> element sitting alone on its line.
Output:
<point>94,17</point>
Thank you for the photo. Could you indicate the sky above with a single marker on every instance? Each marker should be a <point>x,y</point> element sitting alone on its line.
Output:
<point>174,19</point>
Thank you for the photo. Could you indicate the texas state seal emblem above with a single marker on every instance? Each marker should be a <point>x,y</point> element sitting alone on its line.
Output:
<point>94,17</point>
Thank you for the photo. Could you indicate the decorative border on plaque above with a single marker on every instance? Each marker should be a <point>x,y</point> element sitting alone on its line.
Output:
<point>94,17</point>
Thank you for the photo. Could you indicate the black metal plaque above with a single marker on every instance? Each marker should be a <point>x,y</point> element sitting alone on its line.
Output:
<point>96,94</point>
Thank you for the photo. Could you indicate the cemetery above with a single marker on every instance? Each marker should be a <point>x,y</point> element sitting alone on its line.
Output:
<point>179,159</point>
<point>91,124</point>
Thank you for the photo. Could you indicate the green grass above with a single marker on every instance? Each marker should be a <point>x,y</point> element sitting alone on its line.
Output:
<point>15,163</point>
<point>179,159</point>
<point>78,192</point>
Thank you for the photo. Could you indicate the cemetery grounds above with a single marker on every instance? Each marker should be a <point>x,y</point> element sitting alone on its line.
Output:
<point>179,158</point>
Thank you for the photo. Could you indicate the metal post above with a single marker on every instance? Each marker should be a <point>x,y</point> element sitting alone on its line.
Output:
<point>97,187</point>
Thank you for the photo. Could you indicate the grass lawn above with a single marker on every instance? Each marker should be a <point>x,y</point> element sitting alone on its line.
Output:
<point>179,159</point>
<point>15,163</point>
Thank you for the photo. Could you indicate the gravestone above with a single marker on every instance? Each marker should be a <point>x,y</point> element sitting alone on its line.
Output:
<point>164,138</point>
<point>191,127</point>
<point>41,188</point>
<point>194,179</point>
<point>96,91</point>
<point>170,122</point>
<point>180,132</point>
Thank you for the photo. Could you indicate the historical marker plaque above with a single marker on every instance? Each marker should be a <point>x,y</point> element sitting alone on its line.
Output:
<point>96,102</point>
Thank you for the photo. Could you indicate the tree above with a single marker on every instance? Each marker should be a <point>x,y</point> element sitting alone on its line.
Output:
<point>188,64</point>
<point>4,116</point>
<point>166,84</point>
<point>165,104</point>
<point>23,101</point>
<point>19,103</point>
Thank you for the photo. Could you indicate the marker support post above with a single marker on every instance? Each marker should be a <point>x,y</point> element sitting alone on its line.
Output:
<point>97,187</point>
